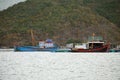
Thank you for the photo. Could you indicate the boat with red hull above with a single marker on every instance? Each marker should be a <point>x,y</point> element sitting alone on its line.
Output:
<point>94,44</point>
<point>99,49</point>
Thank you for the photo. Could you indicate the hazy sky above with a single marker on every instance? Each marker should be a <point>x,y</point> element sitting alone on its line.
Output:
<point>4,4</point>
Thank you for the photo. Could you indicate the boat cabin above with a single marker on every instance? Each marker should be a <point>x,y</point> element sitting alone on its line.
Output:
<point>46,44</point>
<point>95,44</point>
<point>89,45</point>
<point>81,45</point>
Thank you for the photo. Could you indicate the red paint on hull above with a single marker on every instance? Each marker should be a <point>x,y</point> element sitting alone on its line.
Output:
<point>101,49</point>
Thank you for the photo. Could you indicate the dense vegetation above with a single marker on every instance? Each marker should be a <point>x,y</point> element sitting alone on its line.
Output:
<point>109,9</point>
<point>61,20</point>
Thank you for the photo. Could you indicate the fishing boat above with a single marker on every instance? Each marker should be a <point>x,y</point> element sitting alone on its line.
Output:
<point>94,45</point>
<point>99,48</point>
<point>47,45</point>
<point>34,48</point>
<point>114,50</point>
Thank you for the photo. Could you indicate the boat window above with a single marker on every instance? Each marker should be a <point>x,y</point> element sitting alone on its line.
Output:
<point>95,45</point>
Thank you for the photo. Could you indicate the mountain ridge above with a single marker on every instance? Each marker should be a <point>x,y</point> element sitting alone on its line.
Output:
<point>61,20</point>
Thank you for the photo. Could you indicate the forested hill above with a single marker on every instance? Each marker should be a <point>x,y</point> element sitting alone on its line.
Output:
<point>61,20</point>
<point>110,9</point>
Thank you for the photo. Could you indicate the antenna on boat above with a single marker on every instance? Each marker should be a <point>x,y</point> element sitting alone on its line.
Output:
<point>32,37</point>
<point>93,38</point>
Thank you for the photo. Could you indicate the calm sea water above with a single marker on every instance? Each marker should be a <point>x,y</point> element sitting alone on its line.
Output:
<point>59,66</point>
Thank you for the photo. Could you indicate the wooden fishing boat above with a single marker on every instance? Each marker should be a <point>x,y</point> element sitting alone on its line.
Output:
<point>94,44</point>
<point>103,48</point>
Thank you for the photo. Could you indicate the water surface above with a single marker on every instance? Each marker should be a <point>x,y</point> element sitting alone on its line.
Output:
<point>59,66</point>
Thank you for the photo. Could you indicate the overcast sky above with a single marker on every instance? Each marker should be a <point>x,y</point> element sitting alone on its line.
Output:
<point>4,4</point>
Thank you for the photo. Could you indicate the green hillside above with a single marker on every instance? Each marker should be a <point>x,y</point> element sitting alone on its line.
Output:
<point>110,9</point>
<point>61,20</point>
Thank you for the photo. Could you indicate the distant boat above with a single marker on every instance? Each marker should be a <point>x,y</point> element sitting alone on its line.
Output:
<point>34,48</point>
<point>94,45</point>
<point>63,50</point>
<point>114,50</point>
<point>47,45</point>
<point>103,48</point>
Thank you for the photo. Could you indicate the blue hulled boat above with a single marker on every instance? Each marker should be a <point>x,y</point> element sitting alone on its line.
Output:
<point>47,45</point>
<point>114,50</point>
<point>34,48</point>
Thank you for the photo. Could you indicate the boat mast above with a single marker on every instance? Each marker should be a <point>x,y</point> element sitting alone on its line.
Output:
<point>32,37</point>
<point>93,36</point>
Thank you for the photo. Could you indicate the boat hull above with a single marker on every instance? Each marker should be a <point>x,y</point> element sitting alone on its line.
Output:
<point>114,50</point>
<point>63,50</point>
<point>101,49</point>
<point>34,48</point>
